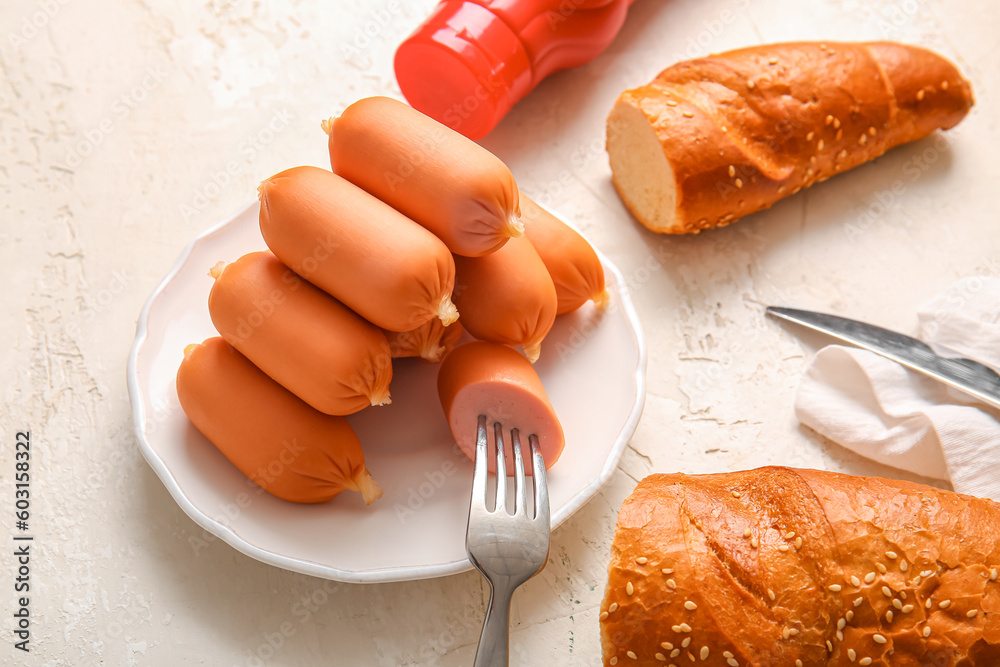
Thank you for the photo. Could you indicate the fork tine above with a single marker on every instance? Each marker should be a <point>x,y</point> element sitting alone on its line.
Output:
<point>501,469</point>
<point>520,500</point>
<point>480,466</point>
<point>541,483</point>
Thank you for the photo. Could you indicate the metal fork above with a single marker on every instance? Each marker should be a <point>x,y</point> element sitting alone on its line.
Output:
<point>507,548</point>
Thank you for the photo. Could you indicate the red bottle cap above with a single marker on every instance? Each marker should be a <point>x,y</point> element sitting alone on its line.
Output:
<point>463,67</point>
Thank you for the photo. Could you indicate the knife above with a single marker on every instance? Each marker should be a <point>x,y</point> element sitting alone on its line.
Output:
<point>973,378</point>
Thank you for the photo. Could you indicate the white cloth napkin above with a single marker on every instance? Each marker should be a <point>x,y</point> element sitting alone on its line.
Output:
<point>901,418</point>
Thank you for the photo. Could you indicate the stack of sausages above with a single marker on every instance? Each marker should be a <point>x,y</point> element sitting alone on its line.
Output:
<point>372,261</point>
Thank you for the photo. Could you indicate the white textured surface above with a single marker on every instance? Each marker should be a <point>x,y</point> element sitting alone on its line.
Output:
<point>127,128</point>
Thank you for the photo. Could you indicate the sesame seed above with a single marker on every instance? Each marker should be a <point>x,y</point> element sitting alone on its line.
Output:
<point>676,652</point>
<point>604,615</point>
<point>667,570</point>
<point>727,654</point>
<point>704,653</point>
<point>641,560</point>
<point>897,604</point>
<point>793,631</point>
<point>928,603</point>
<point>671,583</point>
<point>789,535</point>
<point>902,594</point>
<point>690,606</point>
<point>852,654</point>
<point>667,645</point>
<point>660,657</point>
<point>888,616</point>
<point>839,135</point>
<point>836,588</point>
<point>770,594</point>
<point>746,532</point>
<point>994,573</point>
<point>842,154</point>
<point>632,655</point>
<point>886,591</point>
<point>629,588</point>
<point>971,613</point>
<point>903,566</point>
<point>836,123</point>
<point>809,137</point>
<point>944,85</point>
<point>613,608</point>
<point>783,548</point>
<point>840,636</point>
<point>613,661</point>
<point>732,662</point>
<point>732,172</point>
<point>920,94</point>
<point>878,566</point>
<point>686,642</point>
<point>671,103</point>
<point>849,616</point>
<point>870,577</point>
<point>819,145</point>
<point>785,634</point>
<point>871,131</point>
<point>857,603</point>
<point>828,120</point>
<point>754,543</point>
<point>750,84</point>
<point>927,631</point>
<point>926,573</point>
<point>865,661</point>
<point>685,628</point>
<point>739,182</point>
<point>812,159</point>
<point>907,608</point>
<point>687,114</point>
<point>855,582</point>
<point>798,663</point>
<point>822,47</point>
<point>829,646</point>
<point>676,628</point>
<point>879,639</point>
<point>798,542</point>
<point>945,604</point>
<point>863,139</point>
<point>690,657</point>
<point>774,61</point>
<point>841,624</point>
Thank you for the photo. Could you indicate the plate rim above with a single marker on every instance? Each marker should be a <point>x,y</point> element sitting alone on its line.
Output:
<point>377,575</point>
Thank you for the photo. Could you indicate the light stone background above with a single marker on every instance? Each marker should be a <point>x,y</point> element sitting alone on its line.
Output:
<point>127,128</point>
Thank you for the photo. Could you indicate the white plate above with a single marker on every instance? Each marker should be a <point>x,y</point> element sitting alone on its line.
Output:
<point>592,365</point>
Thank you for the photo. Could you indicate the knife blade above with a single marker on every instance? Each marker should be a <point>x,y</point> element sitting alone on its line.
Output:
<point>966,375</point>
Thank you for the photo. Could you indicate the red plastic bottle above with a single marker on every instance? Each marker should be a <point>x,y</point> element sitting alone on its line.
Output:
<point>472,60</point>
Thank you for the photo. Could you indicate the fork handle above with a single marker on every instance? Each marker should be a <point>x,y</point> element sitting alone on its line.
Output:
<point>494,642</point>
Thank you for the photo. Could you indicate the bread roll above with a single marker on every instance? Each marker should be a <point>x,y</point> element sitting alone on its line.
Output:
<point>782,567</point>
<point>714,139</point>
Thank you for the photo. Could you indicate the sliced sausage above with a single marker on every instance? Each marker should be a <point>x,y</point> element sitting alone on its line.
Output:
<point>483,378</point>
